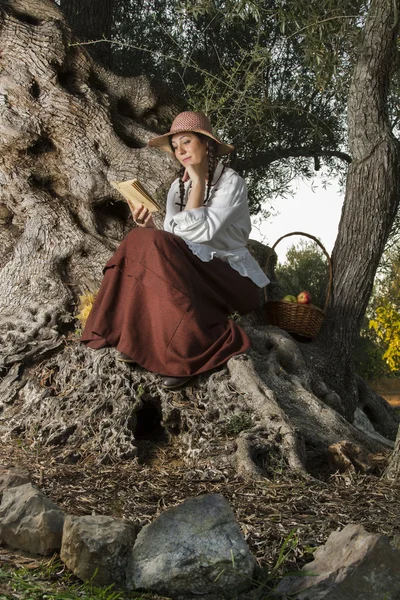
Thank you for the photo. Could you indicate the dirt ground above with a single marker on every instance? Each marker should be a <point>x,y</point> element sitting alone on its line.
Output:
<point>268,509</point>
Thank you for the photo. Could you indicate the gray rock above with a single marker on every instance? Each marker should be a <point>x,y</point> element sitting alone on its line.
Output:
<point>97,548</point>
<point>11,477</point>
<point>29,521</point>
<point>194,548</point>
<point>353,565</point>
<point>362,423</point>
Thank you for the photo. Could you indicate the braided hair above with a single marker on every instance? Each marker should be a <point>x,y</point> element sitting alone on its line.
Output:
<point>212,164</point>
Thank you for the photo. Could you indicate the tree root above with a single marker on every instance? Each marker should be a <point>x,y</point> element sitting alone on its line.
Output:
<point>258,415</point>
<point>273,423</point>
<point>68,127</point>
<point>381,415</point>
<point>282,367</point>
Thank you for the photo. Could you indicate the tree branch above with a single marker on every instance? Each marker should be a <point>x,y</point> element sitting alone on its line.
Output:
<point>263,159</point>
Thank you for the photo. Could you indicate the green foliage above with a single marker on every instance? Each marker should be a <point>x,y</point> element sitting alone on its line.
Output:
<point>276,83</point>
<point>145,39</point>
<point>367,355</point>
<point>239,422</point>
<point>377,354</point>
<point>268,578</point>
<point>139,392</point>
<point>273,75</point>
<point>51,581</point>
<point>305,269</point>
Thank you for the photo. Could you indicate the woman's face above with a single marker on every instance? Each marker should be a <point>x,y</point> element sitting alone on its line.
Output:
<point>189,149</point>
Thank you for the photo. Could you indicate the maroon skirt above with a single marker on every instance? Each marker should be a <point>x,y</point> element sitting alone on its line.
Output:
<point>168,310</point>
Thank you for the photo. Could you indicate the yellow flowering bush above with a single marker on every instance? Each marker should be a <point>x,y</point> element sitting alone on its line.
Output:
<point>85,306</point>
<point>386,325</point>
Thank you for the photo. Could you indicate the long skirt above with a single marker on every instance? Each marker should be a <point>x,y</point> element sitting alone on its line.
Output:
<point>168,310</point>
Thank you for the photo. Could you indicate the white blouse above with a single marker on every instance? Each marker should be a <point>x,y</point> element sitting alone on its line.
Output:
<point>219,229</point>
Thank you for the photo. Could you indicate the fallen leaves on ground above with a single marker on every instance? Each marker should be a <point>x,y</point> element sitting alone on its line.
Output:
<point>268,510</point>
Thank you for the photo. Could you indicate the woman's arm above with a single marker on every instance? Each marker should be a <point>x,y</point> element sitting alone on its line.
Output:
<point>228,206</point>
<point>196,196</point>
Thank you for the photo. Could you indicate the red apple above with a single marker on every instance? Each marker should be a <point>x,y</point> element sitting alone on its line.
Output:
<point>304,298</point>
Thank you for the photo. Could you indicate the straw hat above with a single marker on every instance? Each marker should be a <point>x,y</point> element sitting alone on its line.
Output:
<point>190,121</point>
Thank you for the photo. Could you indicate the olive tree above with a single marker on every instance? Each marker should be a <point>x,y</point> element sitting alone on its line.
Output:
<point>67,128</point>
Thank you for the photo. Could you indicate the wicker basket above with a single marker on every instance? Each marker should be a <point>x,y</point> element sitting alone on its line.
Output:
<point>304,320</point>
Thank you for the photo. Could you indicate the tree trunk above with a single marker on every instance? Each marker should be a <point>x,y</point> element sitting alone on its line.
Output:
<point>92,20</point>
<point>371,200</point>
<point>393,468</point>
<point>67,128</point>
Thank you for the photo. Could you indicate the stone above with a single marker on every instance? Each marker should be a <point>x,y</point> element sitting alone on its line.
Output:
<point>29,521</point>
<point>97,548</point>
<point>194,548</point>
<point>11,477</point>
<point>353,565</point>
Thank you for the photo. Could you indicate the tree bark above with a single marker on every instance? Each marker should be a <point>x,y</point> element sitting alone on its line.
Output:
<point>92,20</point>
<point>371,200</point>
<point>67,128</point>
<point>393,468</point>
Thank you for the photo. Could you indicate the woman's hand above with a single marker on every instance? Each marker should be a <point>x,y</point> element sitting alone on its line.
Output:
<point>196,194</point>
<point>142,216</point>
<point>196,172</point>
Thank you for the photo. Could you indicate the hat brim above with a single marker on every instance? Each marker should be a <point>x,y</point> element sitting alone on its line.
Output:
<point>162,142</point>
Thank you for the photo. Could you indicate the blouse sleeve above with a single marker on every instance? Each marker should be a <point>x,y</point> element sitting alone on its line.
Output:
<point>169,213</point>
<point>227,205</point>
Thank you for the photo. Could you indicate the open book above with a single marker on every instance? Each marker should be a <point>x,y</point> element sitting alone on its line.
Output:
<point>135,194</point>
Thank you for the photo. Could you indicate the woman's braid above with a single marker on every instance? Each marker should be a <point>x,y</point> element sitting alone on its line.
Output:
<point>181,187</point>
<point>212,164</point>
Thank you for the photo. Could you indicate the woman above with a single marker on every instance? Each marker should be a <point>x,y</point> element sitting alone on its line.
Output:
<point>167,295</point>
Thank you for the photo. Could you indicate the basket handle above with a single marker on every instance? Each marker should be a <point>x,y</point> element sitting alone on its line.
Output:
<point>328,295</point>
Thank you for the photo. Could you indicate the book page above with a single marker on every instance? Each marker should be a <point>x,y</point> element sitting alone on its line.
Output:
<point>135,194</point>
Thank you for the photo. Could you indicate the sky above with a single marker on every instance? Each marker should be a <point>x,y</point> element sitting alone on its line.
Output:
<point>312,209</point>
